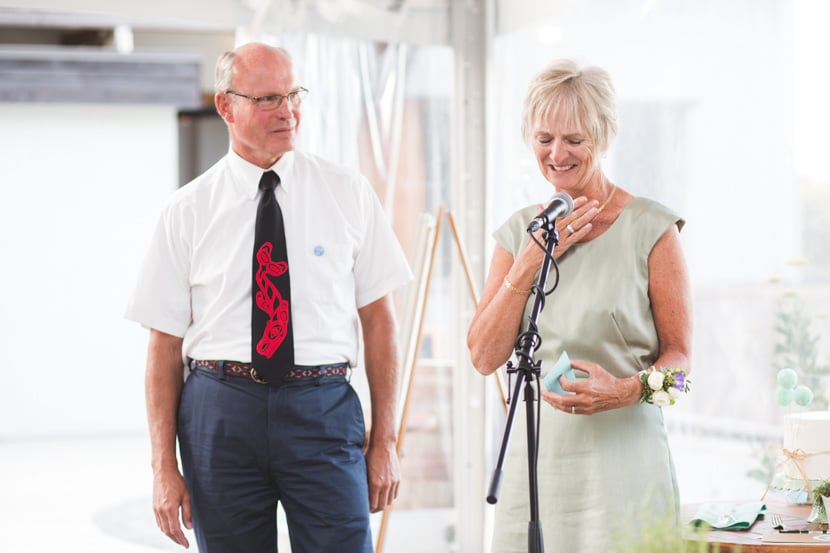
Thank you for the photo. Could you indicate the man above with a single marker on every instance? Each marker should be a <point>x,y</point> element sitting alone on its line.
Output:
<point>249,439</point>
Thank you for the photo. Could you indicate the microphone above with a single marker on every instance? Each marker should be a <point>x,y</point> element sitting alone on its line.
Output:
<point>560,205</point>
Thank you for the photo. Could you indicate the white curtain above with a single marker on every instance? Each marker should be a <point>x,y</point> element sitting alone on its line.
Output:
<point>720,120</point>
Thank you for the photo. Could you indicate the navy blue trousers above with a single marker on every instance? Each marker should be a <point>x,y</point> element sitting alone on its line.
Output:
<point>247,446</point>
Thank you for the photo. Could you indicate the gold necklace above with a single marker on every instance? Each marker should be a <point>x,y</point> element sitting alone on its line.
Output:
<point>608,199</point>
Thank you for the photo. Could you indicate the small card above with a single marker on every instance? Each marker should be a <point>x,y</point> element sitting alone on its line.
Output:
<point>562,366</point>
<point>816,538</point>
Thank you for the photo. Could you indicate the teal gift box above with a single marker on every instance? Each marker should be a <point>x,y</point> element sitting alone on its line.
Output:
<point>562,366</point>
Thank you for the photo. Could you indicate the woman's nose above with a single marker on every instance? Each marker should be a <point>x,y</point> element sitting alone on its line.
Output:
<point>558,151</point>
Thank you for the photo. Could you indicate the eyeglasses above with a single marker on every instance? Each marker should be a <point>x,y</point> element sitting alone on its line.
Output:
<point>273,101</point>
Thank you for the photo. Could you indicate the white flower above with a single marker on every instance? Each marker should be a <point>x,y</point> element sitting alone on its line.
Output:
<point>655,380</point>
<point>661,398</point>
<point>663,387</point>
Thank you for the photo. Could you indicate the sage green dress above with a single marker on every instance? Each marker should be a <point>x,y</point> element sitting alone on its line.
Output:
<point>599,475</point>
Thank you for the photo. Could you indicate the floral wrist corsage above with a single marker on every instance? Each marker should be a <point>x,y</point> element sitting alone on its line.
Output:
<point>664,386</point>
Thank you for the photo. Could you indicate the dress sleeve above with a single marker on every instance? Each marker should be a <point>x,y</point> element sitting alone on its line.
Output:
<point>512,234</point>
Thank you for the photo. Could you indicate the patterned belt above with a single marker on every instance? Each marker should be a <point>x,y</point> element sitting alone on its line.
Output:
<point>246,370</point>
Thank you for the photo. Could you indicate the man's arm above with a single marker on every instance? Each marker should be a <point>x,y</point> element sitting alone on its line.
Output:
<point>163,387</point>
<point>381,359</point>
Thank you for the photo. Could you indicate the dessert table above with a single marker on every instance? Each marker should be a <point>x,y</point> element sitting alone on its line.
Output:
<point>753,539</point>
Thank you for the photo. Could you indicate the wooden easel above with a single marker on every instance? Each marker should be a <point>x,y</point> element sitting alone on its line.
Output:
<point>426,248</point>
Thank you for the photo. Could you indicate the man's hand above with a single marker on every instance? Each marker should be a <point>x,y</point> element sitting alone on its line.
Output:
<point>384,476</point>
<point>381,353</point>
<point>169,495</point>
<point>163,383</point>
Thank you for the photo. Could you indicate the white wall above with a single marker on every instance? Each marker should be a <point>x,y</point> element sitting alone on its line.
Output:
<point>80,187</point>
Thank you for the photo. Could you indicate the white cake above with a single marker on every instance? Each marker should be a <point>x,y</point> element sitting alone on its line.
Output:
<point>808,434</point>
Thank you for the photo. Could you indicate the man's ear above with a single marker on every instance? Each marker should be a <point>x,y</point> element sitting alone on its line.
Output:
<point>223,106</point>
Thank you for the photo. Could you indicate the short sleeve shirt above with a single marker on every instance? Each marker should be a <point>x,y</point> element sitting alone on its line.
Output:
<point>196,279</point>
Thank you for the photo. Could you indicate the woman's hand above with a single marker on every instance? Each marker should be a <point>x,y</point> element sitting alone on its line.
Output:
<point>530,258</point>
<point>492,333</point>
<point>601,391</point>
<point>577,224</point>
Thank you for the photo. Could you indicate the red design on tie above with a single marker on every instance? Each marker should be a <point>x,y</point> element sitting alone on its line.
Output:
<point>269,300</point>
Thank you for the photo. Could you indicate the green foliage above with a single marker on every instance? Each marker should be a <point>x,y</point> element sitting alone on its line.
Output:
<point>662,535</point>
<point>797,348</point>
<point>822,489</point>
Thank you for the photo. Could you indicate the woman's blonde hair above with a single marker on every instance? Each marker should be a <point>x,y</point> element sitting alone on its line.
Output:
<point>585,96</point>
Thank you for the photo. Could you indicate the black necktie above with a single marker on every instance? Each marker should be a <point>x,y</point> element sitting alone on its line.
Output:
<point>272,339</point>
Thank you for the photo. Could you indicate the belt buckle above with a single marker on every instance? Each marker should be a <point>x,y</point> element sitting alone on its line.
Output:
<point>256,378</point>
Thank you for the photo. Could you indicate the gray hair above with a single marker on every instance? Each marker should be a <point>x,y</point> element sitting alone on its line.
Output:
<point>225,67</point>
<point>585,96</point>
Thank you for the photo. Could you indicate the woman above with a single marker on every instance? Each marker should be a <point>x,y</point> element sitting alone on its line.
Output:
<point>622,305</point>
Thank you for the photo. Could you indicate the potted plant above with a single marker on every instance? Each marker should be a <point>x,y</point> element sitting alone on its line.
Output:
<point>819,513</point>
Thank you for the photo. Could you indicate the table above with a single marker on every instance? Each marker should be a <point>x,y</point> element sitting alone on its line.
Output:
<point>749,541</point>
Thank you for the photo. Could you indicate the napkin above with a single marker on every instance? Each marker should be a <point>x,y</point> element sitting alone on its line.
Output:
<point>728,516</point>
<point>562,366</point>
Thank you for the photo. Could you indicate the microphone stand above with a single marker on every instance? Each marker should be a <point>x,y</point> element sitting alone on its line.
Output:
<point>527,370</point>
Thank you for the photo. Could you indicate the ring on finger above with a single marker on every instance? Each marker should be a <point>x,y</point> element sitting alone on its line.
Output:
<point>570,229</point>
<point>573,410</point>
